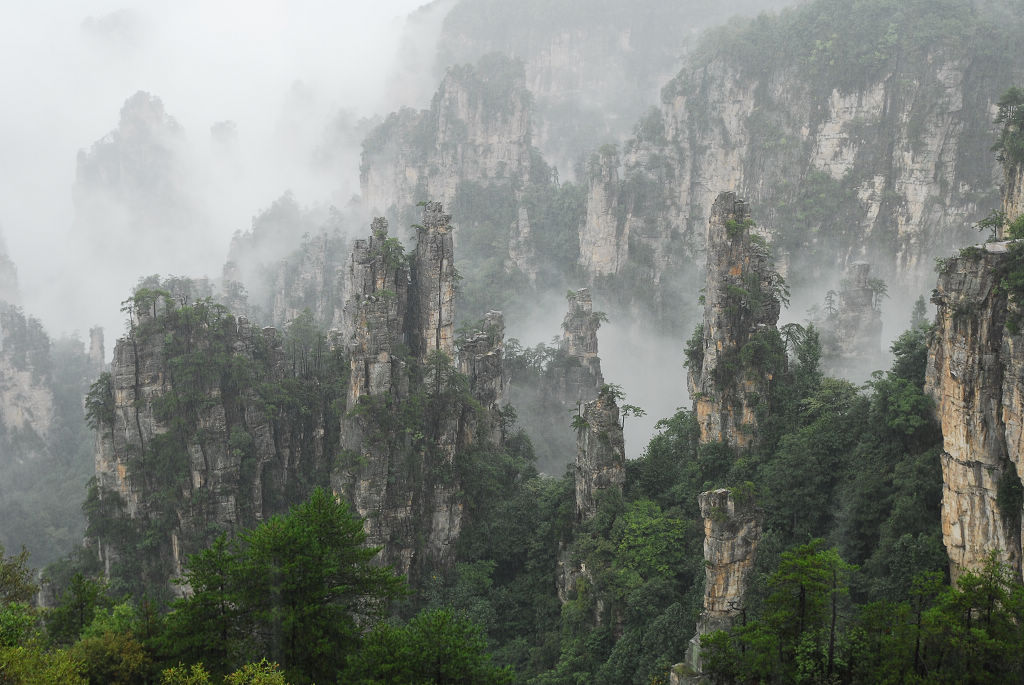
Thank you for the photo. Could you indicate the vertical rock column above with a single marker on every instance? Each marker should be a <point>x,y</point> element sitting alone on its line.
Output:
<point>434,283</point>
<point>480,360</point>
<point>974,376</point>
<point>1013,192</point>
<point>732,532</point>
<point>741,308</point>
<point>402,485</point>
<point>581,381</point>
<point>601,456</point>
<point>600,466</point>
<point>377,283</point>
<point>741,303</point>
<point>602,239</point>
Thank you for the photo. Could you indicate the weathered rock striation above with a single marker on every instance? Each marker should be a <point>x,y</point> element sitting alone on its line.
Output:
<point>731,372</point>
<point>600,455</point>
<point>207,423</point>
<point>477,129</point>
<point>433,276</point>
<point>600,467</point>
<point>399,336</point>
<point>732,532</point>
<point>480,360</point>
<point>1013,191</point>
<point>974,375</point>
<point>374,315</point>
<point>618,55</point>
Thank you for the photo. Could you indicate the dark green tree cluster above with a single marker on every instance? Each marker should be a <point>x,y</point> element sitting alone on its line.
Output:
<point>811,632</point>
<point>298,599</point>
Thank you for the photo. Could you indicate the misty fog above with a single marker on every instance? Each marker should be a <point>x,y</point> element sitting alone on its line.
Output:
<point>285,75</point>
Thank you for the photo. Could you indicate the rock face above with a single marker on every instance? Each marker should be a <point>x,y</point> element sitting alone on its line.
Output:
<point>580,379</point>
<point>374,315</point>
<point>480,360</point>
<point>433,275</point>
<point>1013,191</point>
<point>618,55</point>
<point>45,455</point>
<point>600,455</point>
<point>600,466</point>
<point>852,332</point>
<point>178,457</point>
<point>974,375</point>
<point>731,371</point>
<point>842,169</point>
<point>399,335</point>
<point>477,129</point>
<point>602,248</point>
<point>27,409</point>
<point>732,532</point>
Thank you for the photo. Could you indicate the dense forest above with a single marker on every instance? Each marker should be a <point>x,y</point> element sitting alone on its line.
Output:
<point>336,464</point>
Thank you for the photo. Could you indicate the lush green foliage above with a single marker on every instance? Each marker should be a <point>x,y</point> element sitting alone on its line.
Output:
<point>436,646</point>
<point>810,632</point>
<point>296,589</point>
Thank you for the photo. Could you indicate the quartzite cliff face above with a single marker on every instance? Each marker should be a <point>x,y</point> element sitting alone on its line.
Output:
<point>842,162</point>
<point>600,467</point>
<point>732,532</point>
<point>975,375</point>
<point>729,378</point>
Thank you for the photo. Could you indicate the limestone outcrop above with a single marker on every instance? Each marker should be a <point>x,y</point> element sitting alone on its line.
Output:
<point>731,369</point>
<point>399,336</point>
<point>1013,191</point>
<point>207,423</point>
<point>374,315</point>
<point>480,360</point>
<point>890,164</point>
<point>974,375</point>
<point>732,532</point>
<point>602,247</point>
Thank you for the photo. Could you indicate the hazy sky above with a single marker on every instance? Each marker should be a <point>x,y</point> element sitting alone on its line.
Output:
<point>69,66</point>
